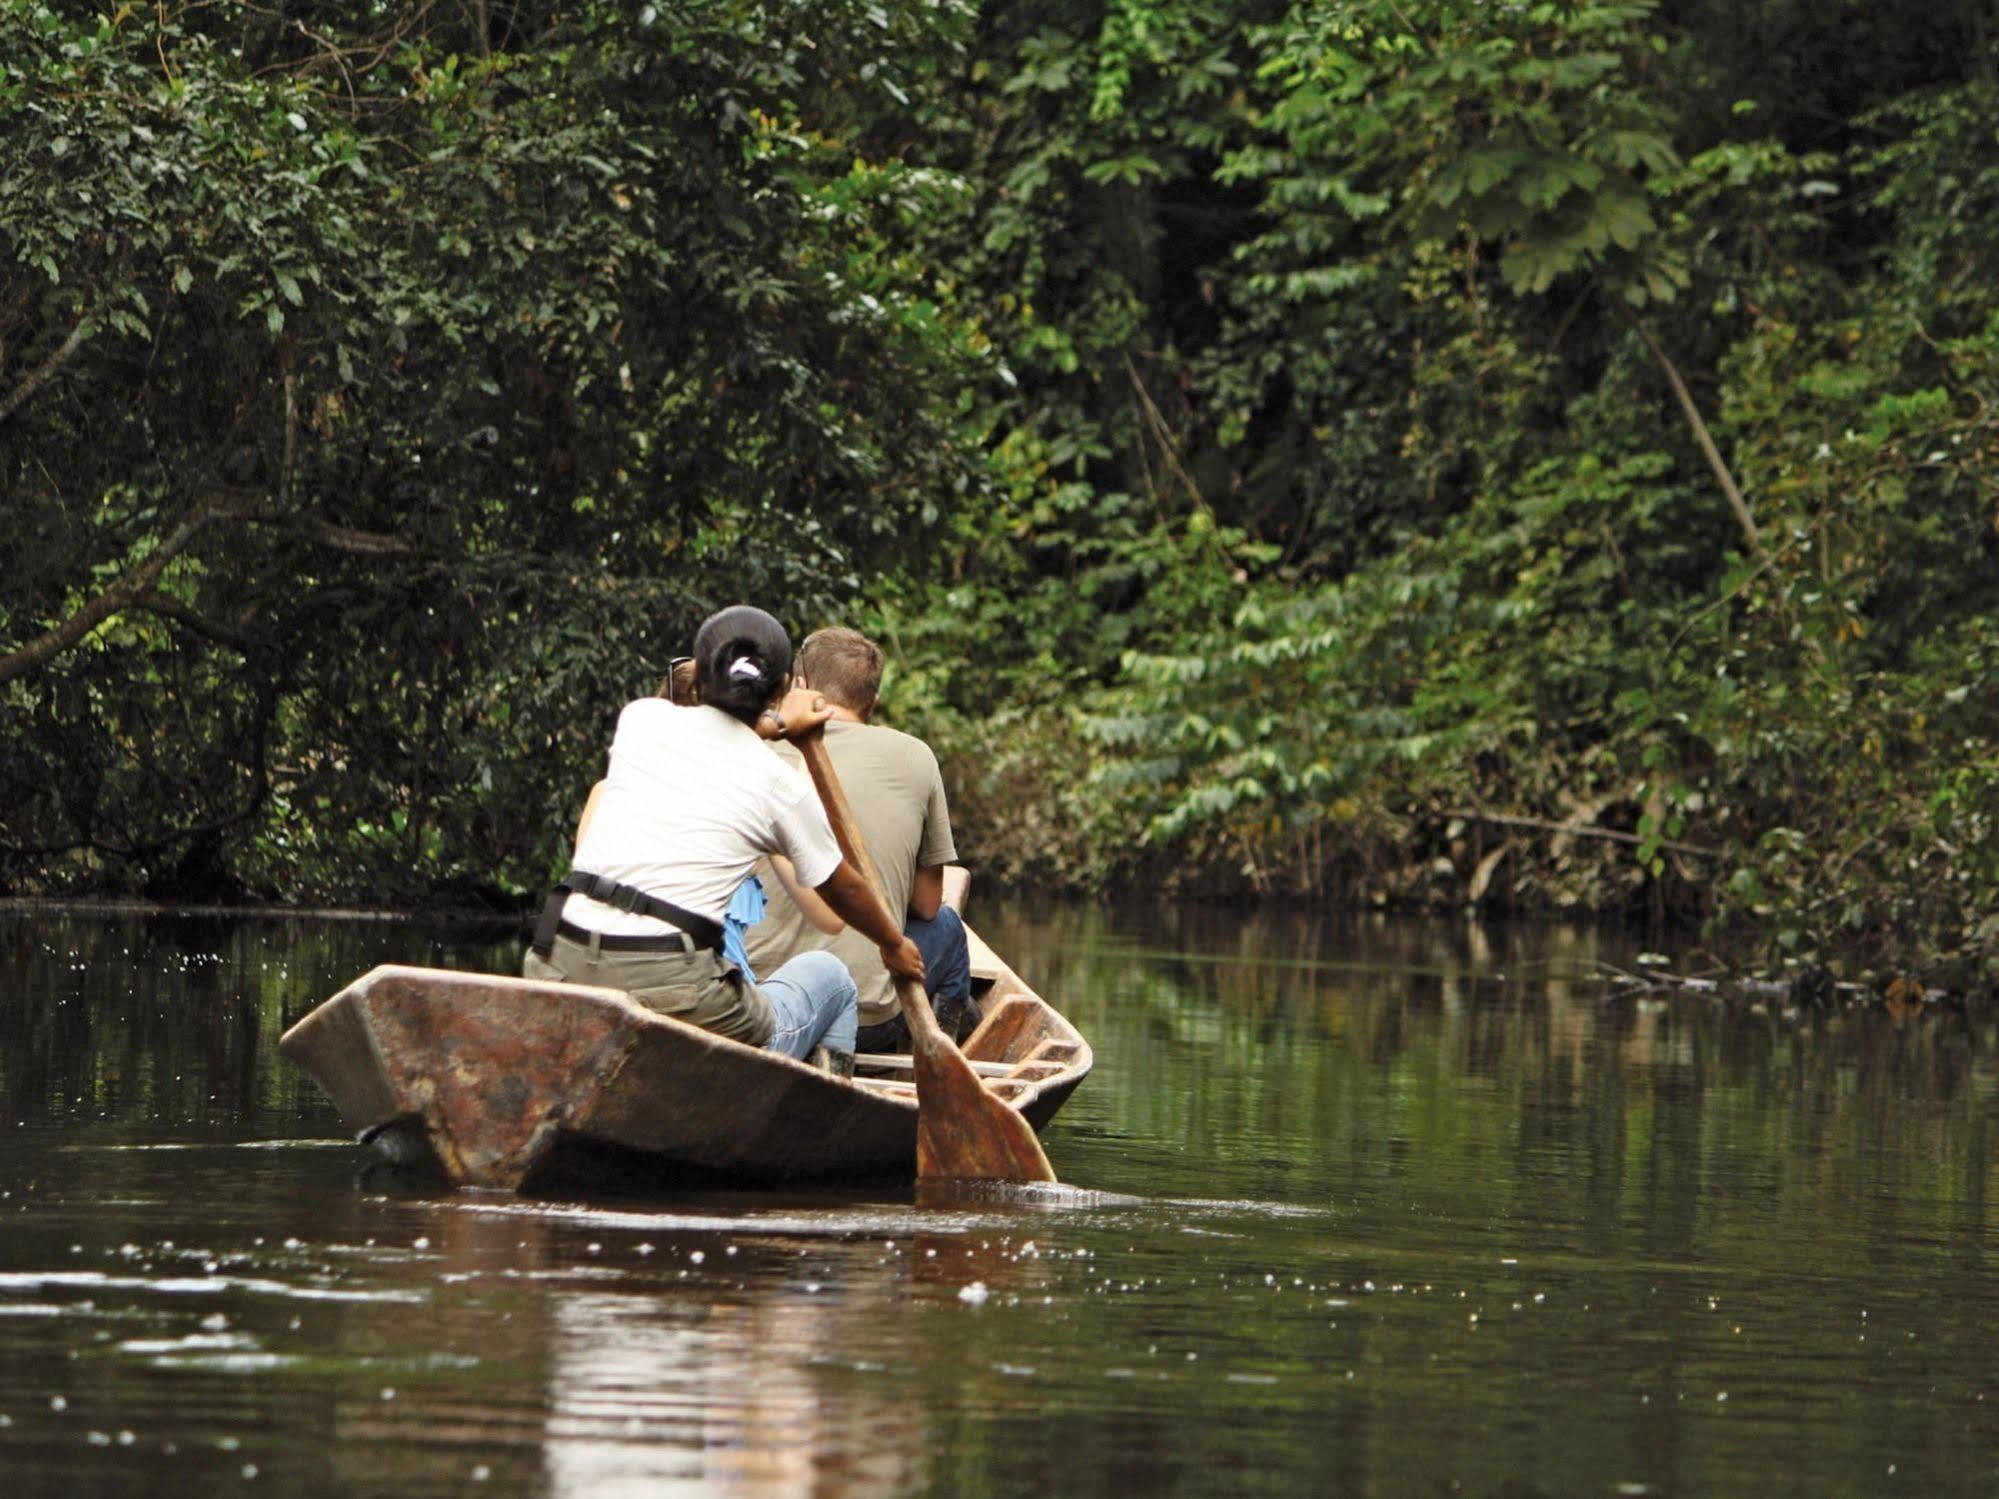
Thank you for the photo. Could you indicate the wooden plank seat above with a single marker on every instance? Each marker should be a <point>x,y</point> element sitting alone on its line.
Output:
<point>902,1061</point>
<point>1005,1079</point>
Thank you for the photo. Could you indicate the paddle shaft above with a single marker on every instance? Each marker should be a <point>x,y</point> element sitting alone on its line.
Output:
<point>962,1130</point>
<point>915,1003</point>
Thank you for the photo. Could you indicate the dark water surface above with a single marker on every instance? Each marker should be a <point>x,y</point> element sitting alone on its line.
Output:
<point>1421,1212</point>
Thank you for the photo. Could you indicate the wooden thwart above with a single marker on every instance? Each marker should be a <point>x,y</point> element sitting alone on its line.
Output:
<point>898,1061</point>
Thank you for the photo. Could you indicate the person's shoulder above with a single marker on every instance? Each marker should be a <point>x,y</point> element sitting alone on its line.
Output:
<point>644,715</point>
<point>919,752</point>
<point>778,768</point>
<point>886,739</point>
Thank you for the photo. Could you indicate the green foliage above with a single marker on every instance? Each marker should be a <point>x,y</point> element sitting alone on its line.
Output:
<point>1400,449</point>
<point>1526,127</point>
<point>452,375</point>
<point>1478,562</point>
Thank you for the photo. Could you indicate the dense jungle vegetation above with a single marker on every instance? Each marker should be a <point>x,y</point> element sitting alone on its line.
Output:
<point>1530,454</point>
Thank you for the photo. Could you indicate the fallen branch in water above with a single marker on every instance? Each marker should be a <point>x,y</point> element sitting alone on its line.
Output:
<point>1653,981</point>
<point>1811,989</point>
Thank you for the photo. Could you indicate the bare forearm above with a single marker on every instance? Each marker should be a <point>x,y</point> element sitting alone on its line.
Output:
<point>815,910</point>
<point>852,897</point>
<point>589,812</point>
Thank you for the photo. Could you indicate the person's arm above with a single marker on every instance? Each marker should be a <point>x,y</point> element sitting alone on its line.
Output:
<point>848,893</point>
<point>589,811</point>
<point>816,911</point>
<point>926,894</point>
<point>926,891</point>
<point>796,714</point>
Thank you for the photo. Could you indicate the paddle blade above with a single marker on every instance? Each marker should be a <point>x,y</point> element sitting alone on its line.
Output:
<point>962,1131</point>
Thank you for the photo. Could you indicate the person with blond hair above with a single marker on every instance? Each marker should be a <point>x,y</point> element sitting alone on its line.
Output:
<point>897,793</point>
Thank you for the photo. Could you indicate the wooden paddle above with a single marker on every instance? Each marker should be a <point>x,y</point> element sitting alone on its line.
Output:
<point>962,1131</point>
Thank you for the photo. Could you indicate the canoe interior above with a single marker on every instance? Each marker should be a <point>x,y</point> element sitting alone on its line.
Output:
<point>493,1081</point>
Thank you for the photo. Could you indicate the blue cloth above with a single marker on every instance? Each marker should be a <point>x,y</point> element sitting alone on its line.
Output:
<point>746,909</point>
<point>813,1001</point>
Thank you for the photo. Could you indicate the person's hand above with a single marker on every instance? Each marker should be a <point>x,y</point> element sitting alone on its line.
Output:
<point>799,712</point>
<point>904,960</point>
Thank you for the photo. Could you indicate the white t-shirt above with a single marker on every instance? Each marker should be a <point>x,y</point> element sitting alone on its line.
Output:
<point>692,800</point>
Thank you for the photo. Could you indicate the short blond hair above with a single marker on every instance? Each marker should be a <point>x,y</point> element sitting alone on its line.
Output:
<point>844,665</point>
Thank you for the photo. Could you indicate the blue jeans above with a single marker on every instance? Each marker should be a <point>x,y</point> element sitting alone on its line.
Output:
<point>947,960</point>
<point>812,1000</point>
<point>947,979</point>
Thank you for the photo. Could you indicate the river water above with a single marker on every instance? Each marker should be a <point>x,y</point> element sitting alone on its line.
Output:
<point>1399,1209</point>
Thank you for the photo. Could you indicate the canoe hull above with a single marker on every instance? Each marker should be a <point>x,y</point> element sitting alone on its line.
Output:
<point>504,1082</point>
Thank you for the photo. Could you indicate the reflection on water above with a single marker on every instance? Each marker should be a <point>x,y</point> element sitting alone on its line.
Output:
<point>1376,1207</point>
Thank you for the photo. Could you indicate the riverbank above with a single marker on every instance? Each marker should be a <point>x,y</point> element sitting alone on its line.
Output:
<point>1848,842</point>
<point>1714,974</point>
<point>1253,501</point>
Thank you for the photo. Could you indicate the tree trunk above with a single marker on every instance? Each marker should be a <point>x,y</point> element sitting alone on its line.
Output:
<point>1701,435</point>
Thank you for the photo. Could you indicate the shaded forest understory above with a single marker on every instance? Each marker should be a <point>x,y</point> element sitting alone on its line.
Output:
<point>1537,455</point>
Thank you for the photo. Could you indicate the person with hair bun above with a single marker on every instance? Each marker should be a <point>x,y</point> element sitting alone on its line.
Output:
<point>691,801</point>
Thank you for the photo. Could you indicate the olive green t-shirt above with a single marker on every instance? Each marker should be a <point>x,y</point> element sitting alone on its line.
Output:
<point>892,783</point>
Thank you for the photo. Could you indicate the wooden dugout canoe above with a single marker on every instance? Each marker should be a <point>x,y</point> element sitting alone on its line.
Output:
<point>511,1083</point>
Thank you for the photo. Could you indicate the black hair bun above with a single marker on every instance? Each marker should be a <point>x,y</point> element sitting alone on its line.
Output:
<point>741,658</point>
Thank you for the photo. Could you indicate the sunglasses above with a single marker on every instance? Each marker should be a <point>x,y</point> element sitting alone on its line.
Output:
<point>673,674</point>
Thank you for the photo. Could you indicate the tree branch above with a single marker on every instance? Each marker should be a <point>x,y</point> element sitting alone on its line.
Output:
<point>1168,448</point>
<point>1576,830</point>
<point>36,378</point>
<point>346,538</point>
<point>135,590</point>
<point>287,464</point>
<point>139,852</point>
<point>172,608</point>
<point>120,595</point>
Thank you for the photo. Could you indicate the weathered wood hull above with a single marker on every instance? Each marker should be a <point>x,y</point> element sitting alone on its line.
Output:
<point>505,1082</point>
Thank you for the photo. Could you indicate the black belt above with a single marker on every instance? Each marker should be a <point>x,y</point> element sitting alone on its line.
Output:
<point>616,942</point>
<point>696,931</point>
